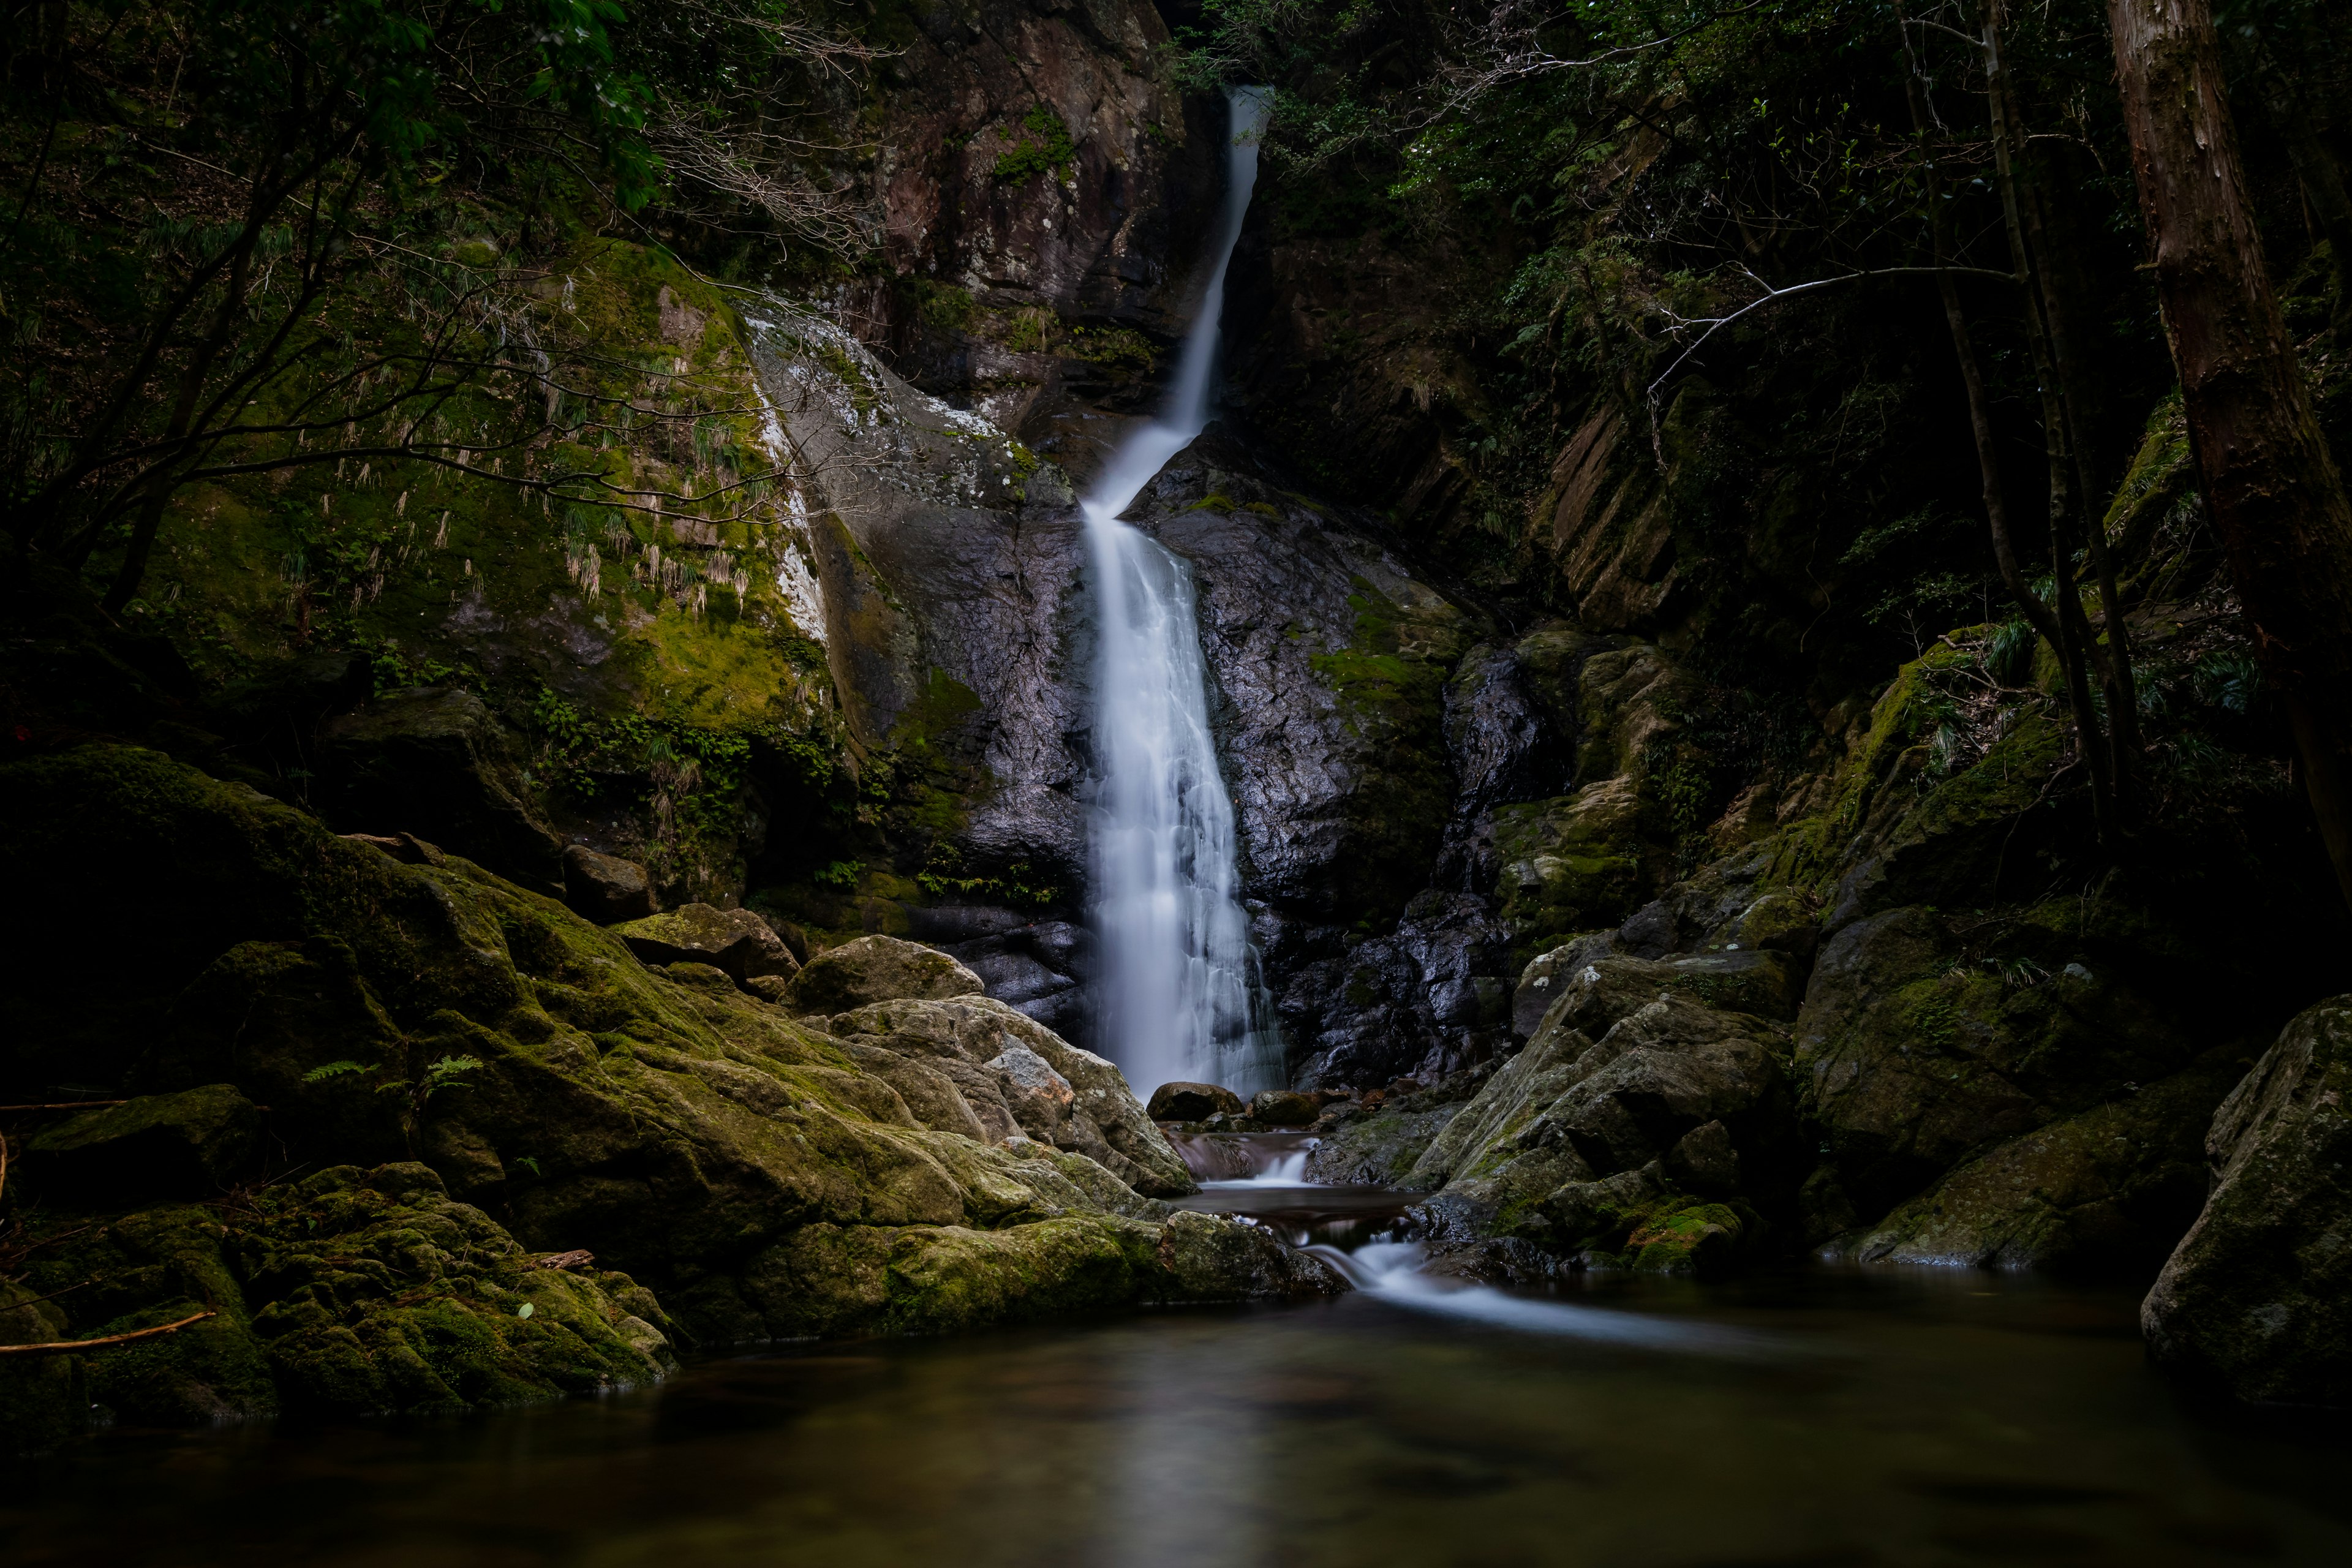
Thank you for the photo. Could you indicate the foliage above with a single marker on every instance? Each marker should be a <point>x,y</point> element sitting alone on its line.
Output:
<point>253,235</point>
<point>1046,145</point>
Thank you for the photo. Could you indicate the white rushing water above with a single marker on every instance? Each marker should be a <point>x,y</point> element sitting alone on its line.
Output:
<point>1283,1171</point>
<point>1392,1271</point>
<point>1180,998</point>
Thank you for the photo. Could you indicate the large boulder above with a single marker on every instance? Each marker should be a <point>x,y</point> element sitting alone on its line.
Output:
<point>877,969</point>
<point>606,888</point>
<point>436,763</point>
<point>1913,1050</point>
<point>2258,1298</point>
<point>2107,1192</point>
<point>1183,1101</point>
<point>1643,1148</point>
<point>1016,1078</point>
<point>737,941</point>
<point>187,1145</point>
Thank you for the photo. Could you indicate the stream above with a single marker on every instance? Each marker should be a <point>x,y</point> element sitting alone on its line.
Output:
<point>1815,1417</point>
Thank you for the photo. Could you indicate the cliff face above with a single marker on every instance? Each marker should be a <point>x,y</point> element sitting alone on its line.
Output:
<point>1038,190</point>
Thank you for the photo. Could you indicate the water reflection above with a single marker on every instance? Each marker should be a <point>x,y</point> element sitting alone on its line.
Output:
<point>1949,1427</point>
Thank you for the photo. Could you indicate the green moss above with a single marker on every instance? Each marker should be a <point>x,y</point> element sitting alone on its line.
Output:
<point>674,619</point>
<point>1045,146</point>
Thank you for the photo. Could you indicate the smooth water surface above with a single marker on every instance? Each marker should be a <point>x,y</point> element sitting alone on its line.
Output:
<point>1821,1418</point>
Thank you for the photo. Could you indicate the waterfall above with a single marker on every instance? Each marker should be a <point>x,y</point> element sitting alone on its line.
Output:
<point>1181,995</point>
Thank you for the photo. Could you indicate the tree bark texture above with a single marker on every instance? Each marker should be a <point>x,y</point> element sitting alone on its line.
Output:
<point>2272,488</point>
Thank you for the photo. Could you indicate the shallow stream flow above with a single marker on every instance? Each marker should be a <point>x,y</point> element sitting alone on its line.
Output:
<point>1821,1417</point>
<point>1180,996</point>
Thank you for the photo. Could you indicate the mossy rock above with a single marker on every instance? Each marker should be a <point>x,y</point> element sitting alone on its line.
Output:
<point>877,969</point>
<point>149,1268</point>
<point>2257,1299</point>
<point>185,1145</point>
<point>1909,1054</point>
<point>668,1121</point>
<point>42,1402</point>
<point>1575,862</point>
<point>375,1292</point>
<point>2109,1192</point>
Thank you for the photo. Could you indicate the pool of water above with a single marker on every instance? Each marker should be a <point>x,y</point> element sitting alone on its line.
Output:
<point>1819,1418</point>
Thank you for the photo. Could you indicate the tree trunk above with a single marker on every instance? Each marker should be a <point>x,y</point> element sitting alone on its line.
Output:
<point>2270,486</point>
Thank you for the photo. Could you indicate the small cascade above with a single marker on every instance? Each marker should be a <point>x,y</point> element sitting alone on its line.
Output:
<point>1181,994</point>
<point>1392,1271</point>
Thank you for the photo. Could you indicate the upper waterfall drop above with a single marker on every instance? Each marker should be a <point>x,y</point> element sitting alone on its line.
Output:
<point>1180,997</point>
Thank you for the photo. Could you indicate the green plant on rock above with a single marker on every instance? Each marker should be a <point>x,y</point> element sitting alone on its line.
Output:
<point>413,1095</point>
<point>1046,146</point>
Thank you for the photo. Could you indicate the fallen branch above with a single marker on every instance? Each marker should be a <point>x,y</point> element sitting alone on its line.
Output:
<point>67,1347</point>
<point>565,1260</point>
<point>64,1105</point>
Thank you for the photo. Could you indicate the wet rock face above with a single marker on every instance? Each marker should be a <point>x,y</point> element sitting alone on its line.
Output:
<point>1427,999</point>
<point>1035,158</point>
<point>1327,659</point>
<point>2258,1298</point>
<point>1547,709</point>
<point>1040,967</point>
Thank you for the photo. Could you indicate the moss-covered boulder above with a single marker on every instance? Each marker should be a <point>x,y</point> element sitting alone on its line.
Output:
<point>2257,1300</point>
<point>43,1404</point>
<point>2107,1192</point>
<point>1920,1040</point>
<point>737,941</point>
<point>877,969</point>
<point>350,1292</point>
<point>185,1145</point>
<point>679,1129</point>
<point>970,1043</point>
<point>1585,1148</point>
<point>372,1290</point>
<point>140,1270</point>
